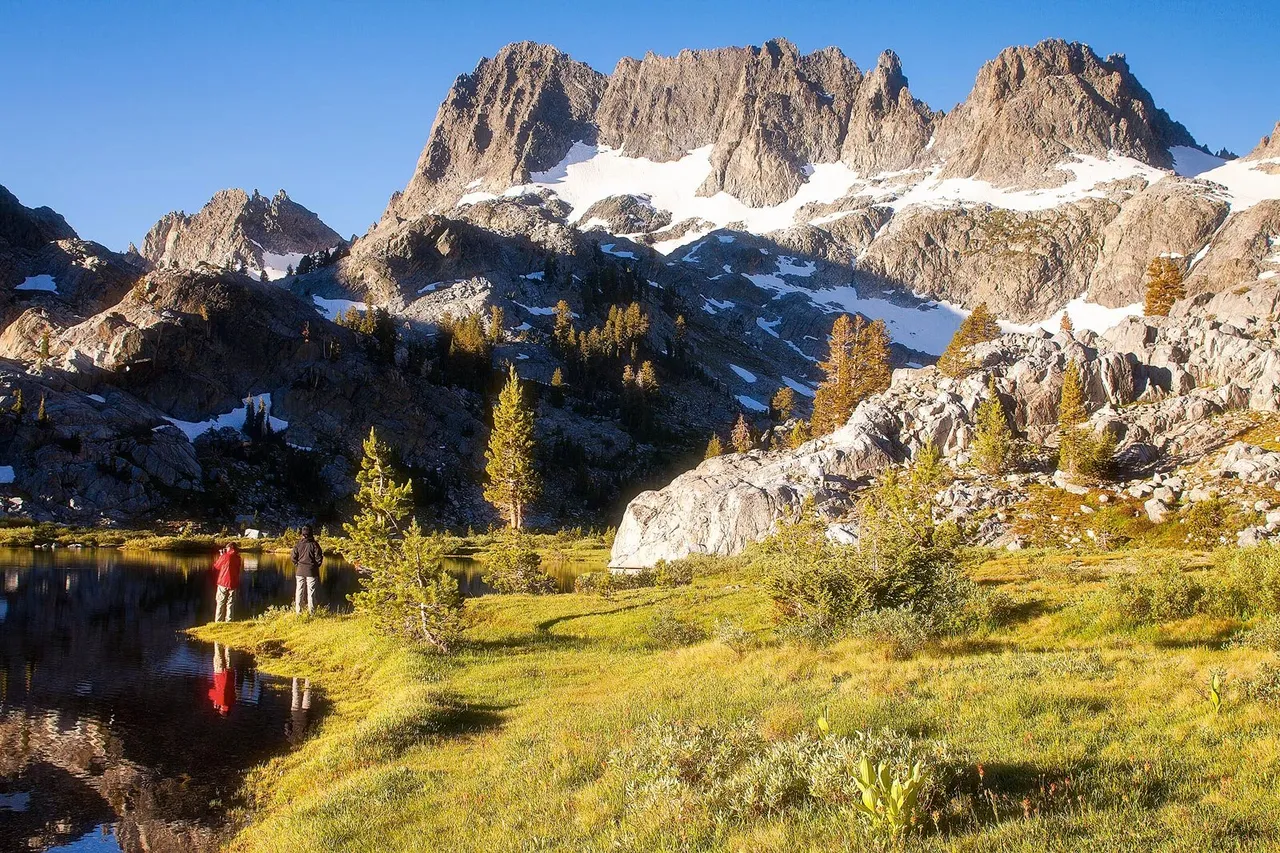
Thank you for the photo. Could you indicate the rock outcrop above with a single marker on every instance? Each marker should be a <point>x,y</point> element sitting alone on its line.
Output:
<point>248,233</point>
<point>1191,368</point>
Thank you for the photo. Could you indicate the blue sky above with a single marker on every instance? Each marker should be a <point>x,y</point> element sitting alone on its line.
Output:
<point>115,113</point>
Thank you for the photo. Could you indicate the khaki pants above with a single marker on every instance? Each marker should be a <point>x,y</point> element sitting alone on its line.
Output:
<point>222,604</point>
<point>309,586</point>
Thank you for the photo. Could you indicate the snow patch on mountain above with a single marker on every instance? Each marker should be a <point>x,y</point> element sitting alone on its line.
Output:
<point>744,374</point>
<point>751,404</point>
<point>334,308</point>
<point>233,419</point>
<point>39,282</point>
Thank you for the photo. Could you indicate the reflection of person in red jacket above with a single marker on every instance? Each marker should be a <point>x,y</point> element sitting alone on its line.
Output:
<point>223,692</point>
<point>227,570</point>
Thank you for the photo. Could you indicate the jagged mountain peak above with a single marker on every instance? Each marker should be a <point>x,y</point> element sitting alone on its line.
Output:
<point>1033,107</point>
<point>256,233</point>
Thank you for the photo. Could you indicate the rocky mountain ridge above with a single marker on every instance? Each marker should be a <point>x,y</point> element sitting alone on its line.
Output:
<point>1049,186</point>
<point>249,233</point>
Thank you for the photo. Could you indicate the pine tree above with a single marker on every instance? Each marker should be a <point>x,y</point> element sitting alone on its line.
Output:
<point>263,276</point>
<point>42,417</point>
<point>18,408</point>
<point>513,483</point>
<point>43,350</point>
<point>872,370</point>
<point>1073,443</point>
<point>833,402</point>
<point>783,403</point>
<point>1066,325</point>
<point>406,590</point>
<point>979,326</point>
<point>1164,287</point>
<point>251,427</point>
<point>714,448</point>
<point>741,438</point>
<point>497,319</point>
<point>562,333</point>
<point>288,271</point>
<point>993,440</point>
<point>557,378</point>
<point>799,435</point>
<point>264,419</point>
<point>647,378</point>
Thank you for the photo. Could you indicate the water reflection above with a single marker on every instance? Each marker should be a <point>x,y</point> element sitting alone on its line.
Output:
<point>117,732</point>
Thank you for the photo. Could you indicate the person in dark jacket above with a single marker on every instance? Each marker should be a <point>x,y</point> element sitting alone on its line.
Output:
<point>307,557</point>
<point>226,570</point>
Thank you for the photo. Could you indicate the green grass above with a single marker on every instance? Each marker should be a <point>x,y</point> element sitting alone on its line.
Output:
<point>1074,737</point>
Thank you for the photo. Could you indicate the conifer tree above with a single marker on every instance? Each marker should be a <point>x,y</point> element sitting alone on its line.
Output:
<point>783,403</point>
<point>714,448</point>
<point>800,434</point>
<point>263,276</point>
<point>43,350</point>
<point>1164,287</point>
<point>513,483</point>
<point>978,327</point>
<point>1074,444</point>
<point>251,428</point>
<point>18,408</point>
<point>406,590</point>
<point>833,402</point>
<point>497,319</point>
<point>264,419</point>
<point>562,333</point>
<point>1066,325</point>
<point>740,438</point>
<point>993,440</point>
<point>872,370</point>
<point>647,378</point>
<point>42,417</point>
<point>557,378</point>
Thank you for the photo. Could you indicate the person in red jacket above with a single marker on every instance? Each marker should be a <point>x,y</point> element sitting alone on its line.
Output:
<point>227,569</point>
<point>223,692</point>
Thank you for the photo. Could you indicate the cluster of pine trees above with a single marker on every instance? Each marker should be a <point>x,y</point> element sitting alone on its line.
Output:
<point>1164,287</point>
<point>857,367</point>
<point>257,420</point>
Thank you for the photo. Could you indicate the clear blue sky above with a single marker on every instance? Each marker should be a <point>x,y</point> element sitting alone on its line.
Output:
<point>115,113</point>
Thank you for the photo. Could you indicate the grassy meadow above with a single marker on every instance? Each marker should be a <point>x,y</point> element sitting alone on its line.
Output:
<point>685,718</point>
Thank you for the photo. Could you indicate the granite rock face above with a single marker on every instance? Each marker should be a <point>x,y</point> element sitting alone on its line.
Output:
<point>1189,368</point>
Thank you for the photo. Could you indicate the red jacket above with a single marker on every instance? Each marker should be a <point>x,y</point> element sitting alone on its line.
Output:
<point>227,568</point>
<point>223,692</point>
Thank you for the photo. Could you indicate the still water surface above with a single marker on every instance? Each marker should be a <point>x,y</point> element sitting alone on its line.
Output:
<point>119,732</point>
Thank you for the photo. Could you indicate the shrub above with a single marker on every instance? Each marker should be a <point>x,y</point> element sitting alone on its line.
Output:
<point>901,633</point>
<point>1264,686</point>
<point>675,573</point>
<point>1248,582</point>
<point>1211,523</point>
<point>605,583</point>
<point>731,633</point>
<point>514,567</point>
<point>1161,595</point>
<point>736,772</point>
<point>667,630</point>
<point>903,560</point>
<point>1264,636</point>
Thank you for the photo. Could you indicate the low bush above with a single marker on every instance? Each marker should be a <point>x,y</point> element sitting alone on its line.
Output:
<point>900,633</point>
<point>1264,685</point>
<point>737,773</point>
<point>1161,595</point>
<point>1247,581</point>
<point>904,560</point>
<point>512,566</point>
<point>675,573</point>
<point>1265,636</point>
<point>1213,523</point>
<point>667,630</point>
